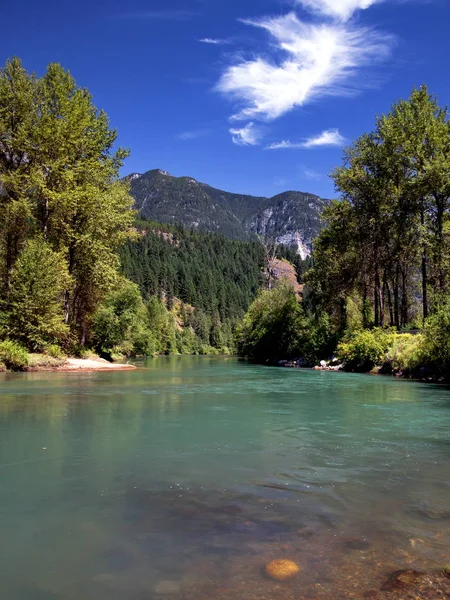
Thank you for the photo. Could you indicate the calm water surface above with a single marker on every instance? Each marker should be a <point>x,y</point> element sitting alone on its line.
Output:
<point>183,478</point>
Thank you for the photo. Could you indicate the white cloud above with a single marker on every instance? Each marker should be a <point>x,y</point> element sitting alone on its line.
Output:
<point>310,174</point>
<point>249,135</point>
<point>319,60</point>
<point>329,137</point>
<point>215,41</point>
<point>338,9</point>
<point>193,134</point>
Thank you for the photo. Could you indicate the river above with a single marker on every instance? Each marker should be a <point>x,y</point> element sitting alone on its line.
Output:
<point>182,479</point>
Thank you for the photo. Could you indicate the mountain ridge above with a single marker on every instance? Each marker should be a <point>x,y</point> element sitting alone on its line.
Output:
<point>291,217</point>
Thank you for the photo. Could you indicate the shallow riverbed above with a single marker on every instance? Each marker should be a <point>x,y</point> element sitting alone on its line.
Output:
<point>182,479</point>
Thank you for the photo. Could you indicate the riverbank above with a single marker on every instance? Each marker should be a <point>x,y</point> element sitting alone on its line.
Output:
<point>423,373</point>
<point>40,362</point>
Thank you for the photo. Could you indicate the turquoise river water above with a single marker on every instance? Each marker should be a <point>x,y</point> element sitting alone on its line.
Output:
<point>182,479</point>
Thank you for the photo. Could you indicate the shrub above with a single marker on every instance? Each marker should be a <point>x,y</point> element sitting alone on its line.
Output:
<point>35,304</point>
<point>365,349</point>
<point>436,344</point>
<point>13,355</point>
<point>273,326</point>
<point>406,352</point>
<point>54,351</point>
<point>318,340</point>
<point>120,324</point>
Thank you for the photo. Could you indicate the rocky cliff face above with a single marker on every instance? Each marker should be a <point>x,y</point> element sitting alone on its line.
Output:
<point>291,218</point>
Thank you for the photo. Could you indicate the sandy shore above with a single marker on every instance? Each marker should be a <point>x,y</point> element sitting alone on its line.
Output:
<point>93,364</point>
<point>41,362</point>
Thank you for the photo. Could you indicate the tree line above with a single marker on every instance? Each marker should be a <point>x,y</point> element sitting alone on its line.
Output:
<point>381,264</point>
<point>78,269</point>
<point>63,210</point>
<point>385,244</point>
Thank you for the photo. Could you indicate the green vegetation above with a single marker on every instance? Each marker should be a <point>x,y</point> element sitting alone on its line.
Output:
<point>273,325</point>
<point>65,215</point>
<point>79,273</point>
<point>385,245</point>
<point>364,349</point>
<point>38,282</point>
<point>276,326</point>
<point>216,275</point>
<point>436,346</point>
<point>63,210</point>
<point>381,264</point>
<point>205,281</point>
<point>13,356</point>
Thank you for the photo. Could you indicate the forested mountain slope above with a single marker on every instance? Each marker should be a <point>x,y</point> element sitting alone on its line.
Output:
<point>291,218</point>
<point>206,270</point>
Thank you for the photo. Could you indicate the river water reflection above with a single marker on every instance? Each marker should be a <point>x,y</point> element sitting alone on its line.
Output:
<point>182,479</point>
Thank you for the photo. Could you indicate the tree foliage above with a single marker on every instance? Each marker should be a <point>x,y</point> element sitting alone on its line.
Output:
<point>273,326</point>
<point>385,244</point>
<point>35,314</point>
<point>59,181</point>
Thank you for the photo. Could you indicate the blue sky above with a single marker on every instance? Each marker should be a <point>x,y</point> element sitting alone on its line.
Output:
<point>249,96</point>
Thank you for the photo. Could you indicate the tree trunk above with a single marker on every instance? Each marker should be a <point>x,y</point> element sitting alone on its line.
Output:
<point>389,301</point>
<point>424,271</point>
<point>67,295</point>
<point>440,209</point>
<point>364,311</point>
<point>375,303</point>
<point>404,312</point>
<point>396,299</point>
<point>380,299</point>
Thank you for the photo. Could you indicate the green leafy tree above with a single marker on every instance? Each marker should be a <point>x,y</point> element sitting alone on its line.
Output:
<point>35,301</point>
<point>273,325</point>
<point>59,179</point>
<point>389,232</point>
<point>120,324</point>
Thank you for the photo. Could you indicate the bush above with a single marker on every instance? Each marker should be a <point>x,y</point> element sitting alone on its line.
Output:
<point>436,344</point>
<point>273,327</point>
<point>54,351</point>
<point>318,339</point>
<point>13,355</point>
<point>35,313</point>
<point>120,325</point>
<point>406,352</point>
<point>365,349</point>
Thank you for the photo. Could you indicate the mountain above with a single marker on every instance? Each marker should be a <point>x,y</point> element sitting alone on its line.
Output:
<point>291,218</point>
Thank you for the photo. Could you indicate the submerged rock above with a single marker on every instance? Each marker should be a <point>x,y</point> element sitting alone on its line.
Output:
<point>282,569</point>
<point>357,544</point>
<point>403,580</point>
<point>410,584</point>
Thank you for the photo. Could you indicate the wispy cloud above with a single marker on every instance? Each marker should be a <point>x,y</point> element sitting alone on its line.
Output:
<point>337,9</point>
<point>310,174</point>
<point>215,41</point>
<point>280,182</point>
<point>250,135</point>
<point>329,137</point>
<point>319,60</point>
<point>161,15</point>
<point>193,134</point>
